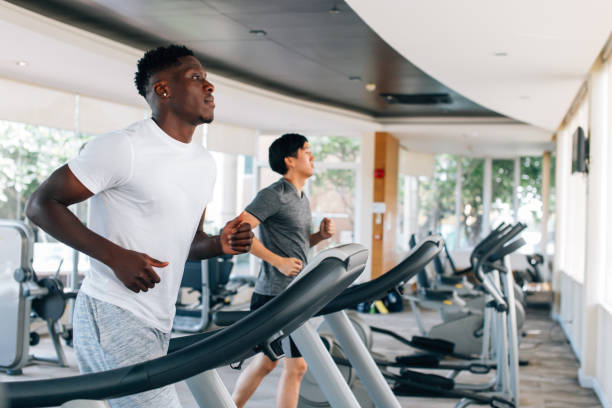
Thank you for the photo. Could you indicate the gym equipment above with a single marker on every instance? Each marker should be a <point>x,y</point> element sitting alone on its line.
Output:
<point>24,297</point>
<point>195,357</point>
<point>211,279</point>
<point>344,343</point>
<point>462,316</point>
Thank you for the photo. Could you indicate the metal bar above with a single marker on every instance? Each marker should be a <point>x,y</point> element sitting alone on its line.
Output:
<point>209,391</point>
<point>323,368</point>
<point>361,360</point>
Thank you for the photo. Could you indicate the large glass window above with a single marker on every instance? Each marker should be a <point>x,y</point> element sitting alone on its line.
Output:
<point>429,204</point>
<point>470,221</point>
<point>502,192</point>
<point>234,190</point>
<point>530,201</point>
<point>28,155</point>
<point>332,188</point>
<point>435,207</point>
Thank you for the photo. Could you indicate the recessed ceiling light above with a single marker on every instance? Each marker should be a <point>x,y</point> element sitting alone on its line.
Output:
<point>334,10</point>
<point>258,33</point>
<point>500,54</point>
<point>22,63</point>
<point>371,87</point>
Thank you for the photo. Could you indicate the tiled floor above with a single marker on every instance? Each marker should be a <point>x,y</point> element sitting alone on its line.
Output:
<point>549,381</point>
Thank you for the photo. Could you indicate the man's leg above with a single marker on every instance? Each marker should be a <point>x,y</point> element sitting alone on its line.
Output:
<point>251,377</point>
<point>107,337</point>
<point>291,379</point>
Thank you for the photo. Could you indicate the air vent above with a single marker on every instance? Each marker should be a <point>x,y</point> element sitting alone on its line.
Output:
<point>417,99</point>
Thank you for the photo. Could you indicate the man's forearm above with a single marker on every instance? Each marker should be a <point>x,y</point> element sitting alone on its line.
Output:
<point>263,253</point>
<point>205,246</point>
<point>315,238</point>
<point>58,221</point>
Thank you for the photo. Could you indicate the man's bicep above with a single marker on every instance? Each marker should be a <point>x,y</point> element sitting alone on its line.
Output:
<point>265,204</point>
<point>64,187</point>
<point>249,218</point>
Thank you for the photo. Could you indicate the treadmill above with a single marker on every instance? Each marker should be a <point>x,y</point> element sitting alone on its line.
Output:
<point>194,358</point>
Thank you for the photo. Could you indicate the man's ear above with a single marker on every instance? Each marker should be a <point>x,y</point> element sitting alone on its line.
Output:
<point>161,89</point>
<point>289,162</point>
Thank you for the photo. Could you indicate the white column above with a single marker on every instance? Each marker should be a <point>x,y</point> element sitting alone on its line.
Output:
<point>562,172</point>
<point>545,200</point>
<point>365,193</point>
<point>596,239</point>
<point>486,195</point>
<point>458,201</point>
<point>515,187</point>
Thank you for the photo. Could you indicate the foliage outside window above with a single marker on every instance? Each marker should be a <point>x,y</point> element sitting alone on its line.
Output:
<point>28,155</point>
<point>502,195</point>
<point>470,223</point>
<point>332,187</point>
<point>436,203</point>
<point>530,200</point>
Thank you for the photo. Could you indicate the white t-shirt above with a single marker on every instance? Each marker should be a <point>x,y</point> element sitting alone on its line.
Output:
<point>150,191</point>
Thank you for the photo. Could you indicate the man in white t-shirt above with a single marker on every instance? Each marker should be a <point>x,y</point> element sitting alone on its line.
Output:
<point>149,186</point>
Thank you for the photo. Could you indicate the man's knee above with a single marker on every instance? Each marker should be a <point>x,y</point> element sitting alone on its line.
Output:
<point>296,367</point>
<point>265,365</point>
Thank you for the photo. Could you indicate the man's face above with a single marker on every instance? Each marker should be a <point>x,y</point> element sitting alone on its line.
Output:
<point>304,161</point>
<point>191,95</point>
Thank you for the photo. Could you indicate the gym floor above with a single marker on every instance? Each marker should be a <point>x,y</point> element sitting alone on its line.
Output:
<point>549,381</point>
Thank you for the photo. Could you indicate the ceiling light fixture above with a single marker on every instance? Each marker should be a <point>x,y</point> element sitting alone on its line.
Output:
<point>22,63</point>
<point>500,54</point>
<point>258,33</point>
<point>334,10</point>
<point>371,87</point>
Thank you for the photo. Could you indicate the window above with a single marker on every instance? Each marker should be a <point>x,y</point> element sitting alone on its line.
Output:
<point>502,194</point>
<point>530,201</point>
<point>234,190</point>
<point>28,155</point>
<point>435,207</point>
<point>471,215</point>
<point>332,188</point>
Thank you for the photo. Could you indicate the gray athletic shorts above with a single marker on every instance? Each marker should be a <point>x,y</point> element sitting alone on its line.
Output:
<point>107,337</point>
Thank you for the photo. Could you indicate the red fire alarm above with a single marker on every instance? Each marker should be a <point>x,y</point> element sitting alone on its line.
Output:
<point>379,173</point>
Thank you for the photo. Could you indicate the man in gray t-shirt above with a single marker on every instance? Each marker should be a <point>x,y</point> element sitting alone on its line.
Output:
<point>284,230</point>
<point>282,211</point>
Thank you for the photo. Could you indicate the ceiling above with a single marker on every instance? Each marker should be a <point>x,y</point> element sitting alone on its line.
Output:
<point>317,50</point>
<point>295,78</point>
<point>524,59</point>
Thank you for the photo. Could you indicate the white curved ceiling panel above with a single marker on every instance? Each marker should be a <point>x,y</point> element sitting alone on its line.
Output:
<point>523,59</point>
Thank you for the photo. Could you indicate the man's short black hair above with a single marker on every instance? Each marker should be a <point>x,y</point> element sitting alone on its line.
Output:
<point>285,146</point>
<point>157,60</point>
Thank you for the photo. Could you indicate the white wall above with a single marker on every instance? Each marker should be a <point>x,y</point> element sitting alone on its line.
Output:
<point>583,240</point>
<point>571,311</point>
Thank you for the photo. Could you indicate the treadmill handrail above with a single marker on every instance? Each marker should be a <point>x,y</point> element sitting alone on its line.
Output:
<point>290,309</point>
<point>420,256</point>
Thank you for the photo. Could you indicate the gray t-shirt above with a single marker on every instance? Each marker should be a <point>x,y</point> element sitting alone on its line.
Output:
<point>285,230</point>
